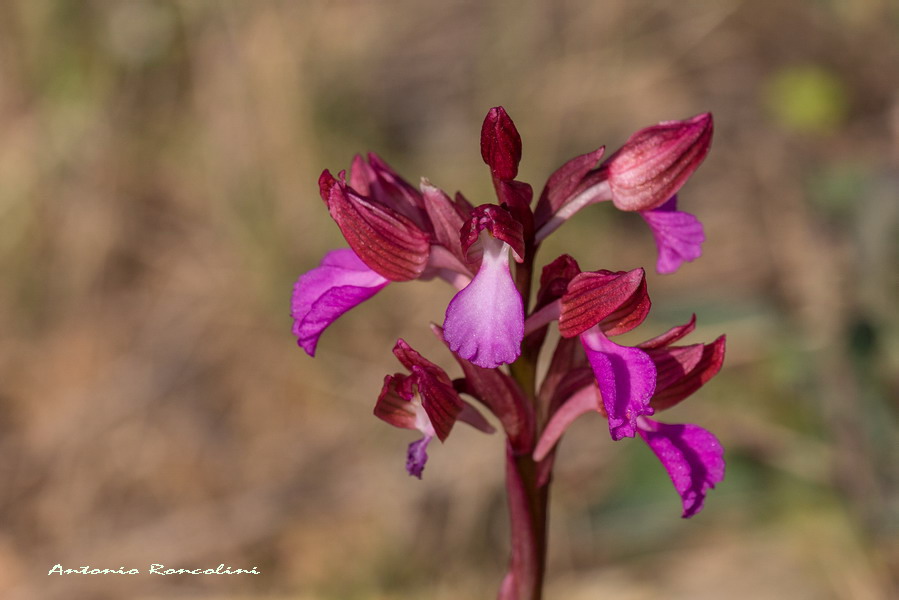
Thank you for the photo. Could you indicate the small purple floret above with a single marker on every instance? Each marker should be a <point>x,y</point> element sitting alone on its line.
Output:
<point>417,456</point>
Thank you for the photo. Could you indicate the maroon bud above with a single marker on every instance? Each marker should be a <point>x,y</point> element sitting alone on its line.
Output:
<point>656,161</point>
<point>684,369</point>
<point>500,144</point>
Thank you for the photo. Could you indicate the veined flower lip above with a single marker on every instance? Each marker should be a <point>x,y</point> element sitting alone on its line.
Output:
<point>485,321</point>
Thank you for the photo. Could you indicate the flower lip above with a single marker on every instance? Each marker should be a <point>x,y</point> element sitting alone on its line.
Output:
<point>693,458</point>
<point>626,378</point>
<point>485,321</point>
<point>417,456</point>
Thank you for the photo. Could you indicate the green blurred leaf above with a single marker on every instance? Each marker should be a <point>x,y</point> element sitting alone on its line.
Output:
<point>810,99</point>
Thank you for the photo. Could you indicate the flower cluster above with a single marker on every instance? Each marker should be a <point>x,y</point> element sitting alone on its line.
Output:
<point>398,233</point>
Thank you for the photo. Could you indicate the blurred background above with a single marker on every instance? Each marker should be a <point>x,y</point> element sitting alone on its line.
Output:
<point>158,199</point>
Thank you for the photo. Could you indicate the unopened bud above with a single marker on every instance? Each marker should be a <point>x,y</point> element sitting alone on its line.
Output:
<point>656,161</point>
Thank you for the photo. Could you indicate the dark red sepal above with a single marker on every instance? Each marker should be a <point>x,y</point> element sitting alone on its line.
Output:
<point>325,182</point>
<point>670,336</point>
<point>554,279</point>
<point>683,370</point>
<point>446,218</point>
<point>438,397</point>
<point>375,179</point>
<point>393,405</point>
<point>616,301</point>
<point>386,241</point>
<point>563,185</point>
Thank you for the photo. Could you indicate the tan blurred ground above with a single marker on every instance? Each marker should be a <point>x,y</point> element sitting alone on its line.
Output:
<point>158,197</point>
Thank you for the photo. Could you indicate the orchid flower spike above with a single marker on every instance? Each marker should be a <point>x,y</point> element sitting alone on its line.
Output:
<point>497,331</point>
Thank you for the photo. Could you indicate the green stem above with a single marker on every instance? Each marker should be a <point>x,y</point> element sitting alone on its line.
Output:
<point>528,501</point>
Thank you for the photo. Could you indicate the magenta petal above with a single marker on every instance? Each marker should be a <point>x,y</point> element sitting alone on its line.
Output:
<point>692,456</point>
<point>678,235</point>
<point>485,321</point>
<point>417,456</point>
<point>320,296</point>
<point>626,378</point>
